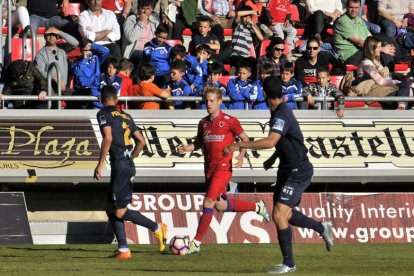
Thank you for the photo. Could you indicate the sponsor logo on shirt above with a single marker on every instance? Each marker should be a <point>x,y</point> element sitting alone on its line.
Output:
<point>212,138</point>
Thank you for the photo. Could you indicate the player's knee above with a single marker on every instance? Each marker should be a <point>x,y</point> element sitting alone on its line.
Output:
<point>119,213</point>
<point>279,217</point>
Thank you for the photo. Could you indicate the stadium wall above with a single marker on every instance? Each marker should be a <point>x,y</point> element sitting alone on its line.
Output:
<point>63,146</point>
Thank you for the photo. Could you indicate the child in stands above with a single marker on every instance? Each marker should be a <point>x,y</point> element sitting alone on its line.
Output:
<point>323,88</point>
<point>291,88</point>
<point>124,72</point>
<point>242,90</point>
<point>178,86</point>
<point>214,73</point>
<point>147,88</point>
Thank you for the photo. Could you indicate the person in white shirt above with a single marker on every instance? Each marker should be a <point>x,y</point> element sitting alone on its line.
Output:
<point>323,13</point>
<point>101,26</point>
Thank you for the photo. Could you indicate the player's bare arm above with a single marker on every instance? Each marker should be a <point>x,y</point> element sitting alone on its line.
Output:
<point>190,147</point>
<point>105,146</point>
<point>242,152</point>
<point>266,143</point>
<point>139,144</point>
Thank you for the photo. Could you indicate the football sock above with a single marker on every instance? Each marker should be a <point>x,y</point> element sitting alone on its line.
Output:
<point>204,223</point>
<point>300,220</point>
<point>237,205</point>
<point>284,237</point>
<point>119,230</point>
<point>139,219</point>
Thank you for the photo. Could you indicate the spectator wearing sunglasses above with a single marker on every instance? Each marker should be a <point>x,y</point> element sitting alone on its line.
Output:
<point>52,53</point>
<point>313,59</point>
<point>274,56</point>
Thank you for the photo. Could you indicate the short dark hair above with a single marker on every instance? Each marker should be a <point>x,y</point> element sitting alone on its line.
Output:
<point>246,65</point>
<point>112,61</point>
<point>178,50</point>
<point>85,41</point>
<point>203,47</point>
<point>267,69</point>
<point>323,70</point>
<point>108,92</point>
<point>288,66</point>
<point>178,65</point>
<point>313,39</point>
<point>162,28</point>
<point>145,3</point>
<point>272,86</point>
<point>146,71</point>
<point>126,64</point>
<point>204,19</point>
<point>214,68</point>
<point>354,1</point>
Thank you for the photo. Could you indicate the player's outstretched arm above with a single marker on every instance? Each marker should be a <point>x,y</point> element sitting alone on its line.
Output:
<point>265,143</point>
<point>105,146</point>
<point>191,147</point>
<point>139,144</point>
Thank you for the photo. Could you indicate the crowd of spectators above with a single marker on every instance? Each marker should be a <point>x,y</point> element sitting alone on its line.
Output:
<point>138,47</point>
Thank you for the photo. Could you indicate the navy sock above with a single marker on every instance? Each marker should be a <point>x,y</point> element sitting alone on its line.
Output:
<point>284,237</point>
<point>139,219</point>
<point>119,230</point>
<point>300,220</point>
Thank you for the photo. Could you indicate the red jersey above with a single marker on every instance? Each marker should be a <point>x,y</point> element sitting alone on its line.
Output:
<point>216,135</point>
<point>279,9</point>
<point>113,5</point>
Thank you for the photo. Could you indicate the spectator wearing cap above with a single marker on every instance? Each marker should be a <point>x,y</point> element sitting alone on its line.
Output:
<point>274,56</point>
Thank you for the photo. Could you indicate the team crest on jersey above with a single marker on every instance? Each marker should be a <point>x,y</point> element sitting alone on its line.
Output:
<point>102,120</point>
<point>221,124</point>
<point>204,125</point>
<point>278,124</point>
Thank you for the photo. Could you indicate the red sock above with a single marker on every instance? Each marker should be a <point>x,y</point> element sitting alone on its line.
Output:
<point>204,223</point>
<point>237,205</point>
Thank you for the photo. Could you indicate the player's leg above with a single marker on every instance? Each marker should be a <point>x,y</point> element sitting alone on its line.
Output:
<point>214,189</point>
<point>303,180</point>
<point>117,226</point>
<point>282,212</point>
<point>228,204</point>
<point>123,196</point>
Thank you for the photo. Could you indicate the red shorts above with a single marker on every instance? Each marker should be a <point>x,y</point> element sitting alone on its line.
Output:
<point>217,183</point>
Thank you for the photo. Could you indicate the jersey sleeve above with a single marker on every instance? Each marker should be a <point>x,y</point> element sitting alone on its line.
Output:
<point>200,131</point>
<point>104,119</point>
<point>280,124</point>
<point>236,127</point>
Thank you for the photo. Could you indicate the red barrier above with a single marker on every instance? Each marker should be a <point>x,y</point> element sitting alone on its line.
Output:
<point>357,218</point>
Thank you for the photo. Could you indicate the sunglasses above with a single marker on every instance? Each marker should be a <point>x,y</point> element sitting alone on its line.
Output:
<point>55,53</point>
<point>279,49</point>
<point>312,48</point>
<point>52,34</point>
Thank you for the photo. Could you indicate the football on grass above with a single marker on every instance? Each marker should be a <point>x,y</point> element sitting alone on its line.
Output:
<point>180,245</point>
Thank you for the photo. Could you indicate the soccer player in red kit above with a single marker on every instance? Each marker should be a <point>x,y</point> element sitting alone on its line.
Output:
<point>215,132</point>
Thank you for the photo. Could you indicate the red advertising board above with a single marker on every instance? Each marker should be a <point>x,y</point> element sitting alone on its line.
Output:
<point>357,218</point>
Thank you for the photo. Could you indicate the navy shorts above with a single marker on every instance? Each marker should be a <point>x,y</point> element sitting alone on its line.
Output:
<point>291,185</point>
<point>122,184</point>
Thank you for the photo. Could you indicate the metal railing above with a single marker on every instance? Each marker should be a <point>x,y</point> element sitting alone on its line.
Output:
<point>49,83</point>
<point>127,99</point>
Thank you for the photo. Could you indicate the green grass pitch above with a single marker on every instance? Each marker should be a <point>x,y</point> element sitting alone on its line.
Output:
<point>234,259</point>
